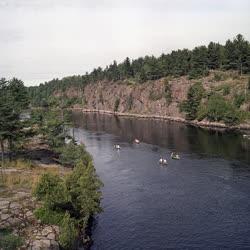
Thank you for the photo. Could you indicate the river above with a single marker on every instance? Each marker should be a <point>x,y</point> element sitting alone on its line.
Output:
<point>200,201</point>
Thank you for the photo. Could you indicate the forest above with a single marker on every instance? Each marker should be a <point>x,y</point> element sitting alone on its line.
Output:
<point>195,63</point>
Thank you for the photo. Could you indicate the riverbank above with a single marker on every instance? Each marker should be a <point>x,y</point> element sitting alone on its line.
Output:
<point>17,203</point>
<point>25,222</point>
<point>202,124</point>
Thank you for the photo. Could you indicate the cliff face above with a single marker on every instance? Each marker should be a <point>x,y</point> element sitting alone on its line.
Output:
<point>160,97</point>
<point>147,98</point>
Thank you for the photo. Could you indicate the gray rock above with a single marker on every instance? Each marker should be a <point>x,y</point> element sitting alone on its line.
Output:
<point>29,214</point>
<point>54,245</point>
<point>4,216</point>
<point>36,245</point>
<point>45,244</point>
<point>46,231</point>
<point>15,205</point>
<point>51,236</point>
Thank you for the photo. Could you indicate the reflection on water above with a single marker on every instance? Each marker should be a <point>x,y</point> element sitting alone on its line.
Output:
<point>200,201</point>
<point>172,135</point>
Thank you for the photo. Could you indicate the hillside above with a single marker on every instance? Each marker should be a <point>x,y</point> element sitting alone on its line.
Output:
<point>168,97</point>
<point>209,83</point>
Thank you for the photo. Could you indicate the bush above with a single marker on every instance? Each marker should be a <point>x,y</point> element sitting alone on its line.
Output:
<point>68,233</point>
<point>218,76</point>
<point>71,154</point>
<point>239,99</point>
<point>69,202</point>
<point>191,105</point>
<point>202,112</point>
<point>130,101</point>
<point>8,241</point>
<point>168,93</point>
<point>220,110</point>
<point>154,95</point>
<point>84,185</point>
<point>48,216</point>
<point>226,90</point>
<point>51,189</point>
<point>117,103</point>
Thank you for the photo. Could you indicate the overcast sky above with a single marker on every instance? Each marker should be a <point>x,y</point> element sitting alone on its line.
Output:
<point>45,39</point>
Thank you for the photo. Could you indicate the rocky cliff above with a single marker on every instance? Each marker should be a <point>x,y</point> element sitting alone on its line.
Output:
<point>158,98</point>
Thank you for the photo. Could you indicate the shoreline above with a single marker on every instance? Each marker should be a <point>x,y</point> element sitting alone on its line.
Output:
<point>201,124</point>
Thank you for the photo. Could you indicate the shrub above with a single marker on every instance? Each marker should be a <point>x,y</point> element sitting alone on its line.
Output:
<point>191,105</point>
<point>130,101</point>
<point>155,95</point>
<point>68,233</point>
<point>226,90</point>
<point>84,190</point>
<point>51,190</point>
<point>220,110</point>
<point>69,202</point>
<point>101,99</point>
<point>71,154</point>
<point>239,99</point>
<point>48,216</point>
<point>168,93</point>
<point>218,76</point>
<point>117,103</point>
<point>9,241</point>
<point>202,112</point>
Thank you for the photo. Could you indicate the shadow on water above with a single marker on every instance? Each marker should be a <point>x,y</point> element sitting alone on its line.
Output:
<point>174,136</point>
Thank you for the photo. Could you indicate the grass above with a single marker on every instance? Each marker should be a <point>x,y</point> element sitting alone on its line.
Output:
<point>9,241</point>
<point>20,164</point>
<point>25,174</point>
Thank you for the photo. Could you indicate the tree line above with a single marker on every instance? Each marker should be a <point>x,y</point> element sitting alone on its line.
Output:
<point>233,55</point>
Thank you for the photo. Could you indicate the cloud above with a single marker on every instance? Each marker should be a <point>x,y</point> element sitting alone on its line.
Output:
<point>43,39</point>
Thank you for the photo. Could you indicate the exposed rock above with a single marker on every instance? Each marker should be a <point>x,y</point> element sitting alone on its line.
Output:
<point>16,212</point>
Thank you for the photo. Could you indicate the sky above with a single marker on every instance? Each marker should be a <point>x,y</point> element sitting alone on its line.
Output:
<point>45,39</point>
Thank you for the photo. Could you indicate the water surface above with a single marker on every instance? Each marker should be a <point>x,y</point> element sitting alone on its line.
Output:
<point>201,201</point>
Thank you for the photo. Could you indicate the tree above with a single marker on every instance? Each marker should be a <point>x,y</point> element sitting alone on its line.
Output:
<point>194,96</point>
<point>214,55</point>
<point>199,60</point>
<point>13,100</point>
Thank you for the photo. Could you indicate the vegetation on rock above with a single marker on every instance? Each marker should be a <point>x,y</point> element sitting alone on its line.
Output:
<point>196,63</point>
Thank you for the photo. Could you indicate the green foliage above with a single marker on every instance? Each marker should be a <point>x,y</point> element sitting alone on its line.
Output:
<point>239,99</point>
<point>49,216</point>
<point>130,101</point>
<point>194,96</point>
<point>84,186</point>
<point>234,55</point>
<point>13,101</point>
<point>9,241</point>
<point>68,233</point>
<point>52,191</point>
<point>168,92</point>
<point>117,103</point>
<point>101,100</point>
<point>71,154</point>
<point>202,112</point>
<point>155,95</point>
<point>218,109</point>
<point>226,90</point>
<point>70,201</point>
<point>199,60</point>
<point>218,77</point>
<point>54,125</point>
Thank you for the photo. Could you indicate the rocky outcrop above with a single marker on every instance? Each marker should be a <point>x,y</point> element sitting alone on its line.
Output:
<point>138,99</point>
<point>16,213</point>
<point>156,99</point>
